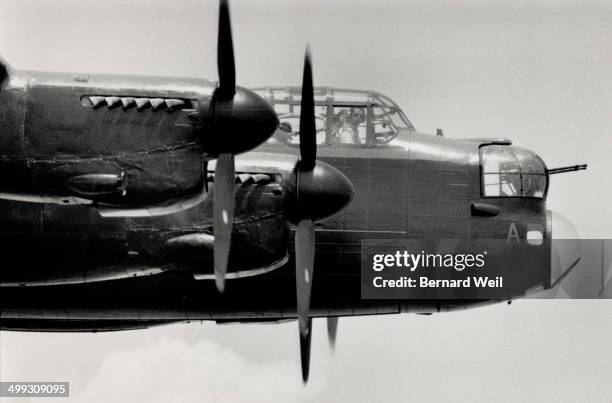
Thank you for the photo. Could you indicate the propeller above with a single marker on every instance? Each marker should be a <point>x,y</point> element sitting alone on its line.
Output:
<point>223,215</point>
<point>226,65</point>
<point>305,342</point>
<point>319,191</point>
<point>236,120</point>
<point>3,74</point>
<point>305,235</point>
<point>224,197</point>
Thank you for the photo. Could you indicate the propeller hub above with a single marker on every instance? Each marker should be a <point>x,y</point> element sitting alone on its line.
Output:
<point>237,124</point>
<point>319,193</point>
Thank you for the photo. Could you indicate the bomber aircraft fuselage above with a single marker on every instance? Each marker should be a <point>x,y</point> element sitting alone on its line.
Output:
<point>406,185</point>
<point>128,201</point>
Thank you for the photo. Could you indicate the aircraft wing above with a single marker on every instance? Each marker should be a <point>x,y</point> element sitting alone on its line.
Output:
<point>264,163</point>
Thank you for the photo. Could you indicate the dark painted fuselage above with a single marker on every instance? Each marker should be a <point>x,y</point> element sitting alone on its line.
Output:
<point>416,186</point>
<point>57,126</point>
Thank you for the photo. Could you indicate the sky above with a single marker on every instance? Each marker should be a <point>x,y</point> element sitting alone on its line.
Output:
<point>537,72</point>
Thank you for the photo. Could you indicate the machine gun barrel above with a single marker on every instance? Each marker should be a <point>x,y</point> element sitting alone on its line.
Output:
<point>570,168</point>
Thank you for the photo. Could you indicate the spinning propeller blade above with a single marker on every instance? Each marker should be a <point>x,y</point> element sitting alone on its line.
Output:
<point>305,351</point>
<point>304,265</point>
<point>305,233</point>
<point>316,192</point>
<point>308,140</point>
<point>3,74</point>
<point>237,120</point>
<point>224,196</point>
<point>332,330</point>
<point>225,55</point>
<point>223,215</point>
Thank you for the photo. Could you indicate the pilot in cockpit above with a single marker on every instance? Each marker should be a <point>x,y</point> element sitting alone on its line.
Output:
<point>347,124</point>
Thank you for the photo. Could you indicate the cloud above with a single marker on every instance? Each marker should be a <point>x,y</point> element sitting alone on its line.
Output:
<point>171,370</point>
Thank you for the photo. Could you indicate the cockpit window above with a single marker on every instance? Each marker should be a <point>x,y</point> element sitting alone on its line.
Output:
<point>512,172</point>
<point>341,116</point>
<point>349,125</point>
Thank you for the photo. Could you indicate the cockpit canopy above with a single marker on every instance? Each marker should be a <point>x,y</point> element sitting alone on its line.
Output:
<point>512,172</point>
<point>341,116</point>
